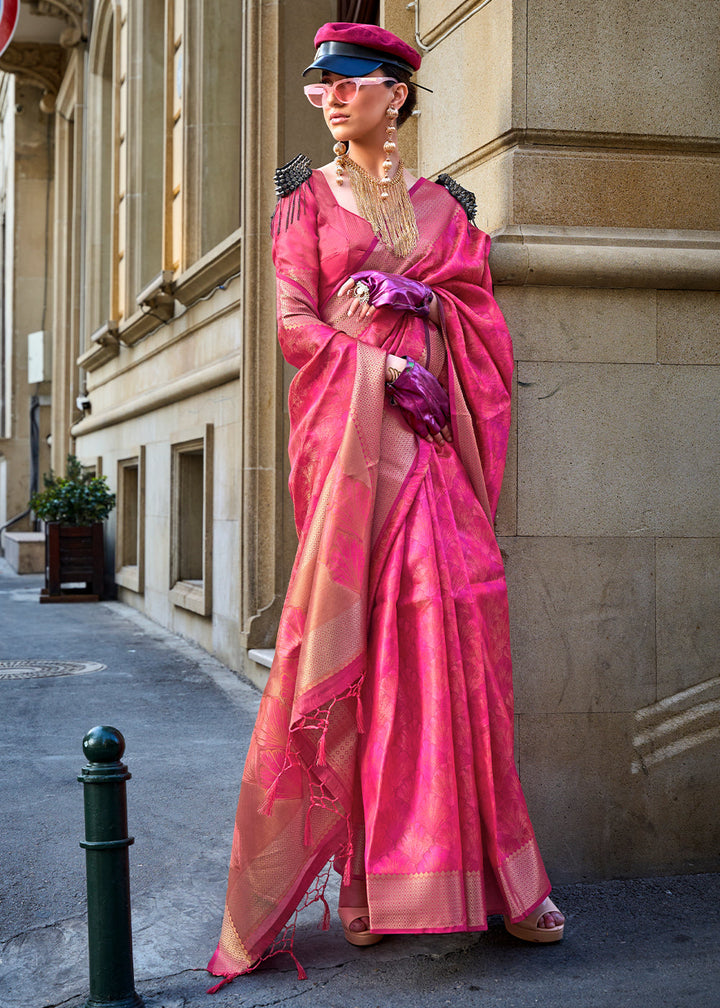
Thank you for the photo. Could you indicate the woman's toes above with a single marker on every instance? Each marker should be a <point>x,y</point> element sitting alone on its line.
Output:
<point>359,924</point>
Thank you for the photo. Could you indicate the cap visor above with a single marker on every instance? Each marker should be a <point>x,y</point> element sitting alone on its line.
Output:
<point>348,66</point>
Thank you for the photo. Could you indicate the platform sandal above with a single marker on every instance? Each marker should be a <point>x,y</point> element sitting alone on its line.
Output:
<point>528,929</point>
<point>347,915</point>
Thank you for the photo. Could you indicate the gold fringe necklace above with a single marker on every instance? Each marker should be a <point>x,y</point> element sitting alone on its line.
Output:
<point>386,207</point>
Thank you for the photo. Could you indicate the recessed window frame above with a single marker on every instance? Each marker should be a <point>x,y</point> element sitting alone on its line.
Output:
<point>205,125</point>
<point>103,174</point>
<point>131,522</point>
<point>194,594</point>
<point>146,148</point>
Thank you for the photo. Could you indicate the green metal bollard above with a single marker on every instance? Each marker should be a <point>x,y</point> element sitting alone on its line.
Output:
<point>112,983</point>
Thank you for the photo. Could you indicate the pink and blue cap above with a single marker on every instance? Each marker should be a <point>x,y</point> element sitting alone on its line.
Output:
<point>354,50</point>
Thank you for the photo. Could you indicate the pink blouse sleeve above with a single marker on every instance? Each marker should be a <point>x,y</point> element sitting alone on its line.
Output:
<point>296,253</point>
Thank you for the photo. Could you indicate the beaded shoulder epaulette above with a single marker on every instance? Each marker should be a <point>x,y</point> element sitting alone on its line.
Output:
<point>465,198</point>
<point>291,201</point>
<point>292,175</point>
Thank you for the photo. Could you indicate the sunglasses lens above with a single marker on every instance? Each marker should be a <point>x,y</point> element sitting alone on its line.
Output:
<point>345,90</point>
<point>315,94</point>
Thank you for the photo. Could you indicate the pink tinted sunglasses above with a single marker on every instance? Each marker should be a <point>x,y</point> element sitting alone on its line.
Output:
<point>345,90</point>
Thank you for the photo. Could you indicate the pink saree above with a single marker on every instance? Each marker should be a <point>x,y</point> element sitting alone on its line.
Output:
<point>384,739</point>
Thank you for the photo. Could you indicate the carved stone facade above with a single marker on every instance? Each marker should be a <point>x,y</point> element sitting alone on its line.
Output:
<point>38,66</point>
<point>46,31</point>
<point>73,12</point>
<point>586,133</point>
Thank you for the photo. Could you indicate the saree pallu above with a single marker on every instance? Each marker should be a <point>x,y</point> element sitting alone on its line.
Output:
<point>384,738</point>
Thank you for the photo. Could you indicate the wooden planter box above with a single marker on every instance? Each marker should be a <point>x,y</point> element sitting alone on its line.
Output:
<point>74,563</point>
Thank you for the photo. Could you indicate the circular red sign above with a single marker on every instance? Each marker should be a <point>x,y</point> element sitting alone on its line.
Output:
<point>9,10</point>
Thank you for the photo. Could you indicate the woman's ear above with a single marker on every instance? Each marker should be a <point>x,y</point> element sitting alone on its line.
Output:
<point>400,93</point>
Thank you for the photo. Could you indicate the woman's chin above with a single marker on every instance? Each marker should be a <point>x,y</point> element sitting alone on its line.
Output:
<point>341,131</point>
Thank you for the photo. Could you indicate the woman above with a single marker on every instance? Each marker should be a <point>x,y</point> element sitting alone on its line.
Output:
<point>384,739</point>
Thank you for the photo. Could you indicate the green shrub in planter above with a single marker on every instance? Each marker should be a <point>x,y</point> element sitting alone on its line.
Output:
<point>77,498</point>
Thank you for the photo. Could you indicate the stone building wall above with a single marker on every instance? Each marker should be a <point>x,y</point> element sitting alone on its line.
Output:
<point>590,134</point>
<point>176,329</point>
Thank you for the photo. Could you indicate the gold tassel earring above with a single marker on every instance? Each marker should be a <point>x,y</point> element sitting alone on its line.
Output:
<point>340,150</point>
<point>389,146</point>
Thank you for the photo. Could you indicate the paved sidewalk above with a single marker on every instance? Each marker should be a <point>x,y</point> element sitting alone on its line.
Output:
<point>187,722</point>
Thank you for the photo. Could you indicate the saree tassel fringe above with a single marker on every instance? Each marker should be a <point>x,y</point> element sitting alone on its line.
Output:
<point>321,757</point>
<point>325,926</point>
<point>267,806</point>
<point>360,717</point>
<point>302,975</point>
<point>218,986</point>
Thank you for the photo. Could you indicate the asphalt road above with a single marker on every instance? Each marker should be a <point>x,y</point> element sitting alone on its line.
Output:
<point>187,720</point>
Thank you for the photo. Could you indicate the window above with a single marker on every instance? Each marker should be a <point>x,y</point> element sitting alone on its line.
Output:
<point>221,105</point>
<point>164,152</point>
<point>144,282</point>
<point>120,159</point>
<point>206,123</point>
<point>365,11</point>
<point>146,147</point>
<point>191,530</point>
<point>102,176</point>
<point>174,158</point>
<point>130,542</point>
<point>91,466</point>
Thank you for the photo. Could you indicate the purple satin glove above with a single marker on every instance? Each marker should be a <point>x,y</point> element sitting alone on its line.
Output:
<point>422,399</point>
<point>388,290</point>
